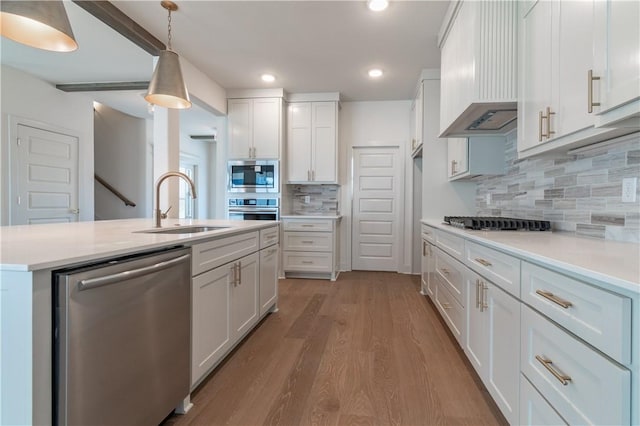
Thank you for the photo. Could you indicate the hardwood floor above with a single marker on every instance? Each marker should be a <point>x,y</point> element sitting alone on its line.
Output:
<point>365,350</point>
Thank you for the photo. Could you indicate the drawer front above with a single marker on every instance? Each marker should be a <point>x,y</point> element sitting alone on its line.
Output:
<point>596,390</point>
<point>306,261</point>
<point>212,254</point>
<point>599,317</point>
<point>499,268</point>
<point>269,236</point>
<point>429,233</point>
<point>452,244</point>
<point>534,409</point>
<point>313,225</point>
<point>451,273</point>
<point>451,311</point>
<point>308,241</point>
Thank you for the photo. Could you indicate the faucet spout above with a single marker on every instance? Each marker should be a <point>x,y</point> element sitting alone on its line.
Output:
<point>159,214</point>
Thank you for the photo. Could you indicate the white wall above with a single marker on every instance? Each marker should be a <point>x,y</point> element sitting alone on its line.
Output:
<point>26,97</point>
<point>121,159</point>
<point>368,124</point>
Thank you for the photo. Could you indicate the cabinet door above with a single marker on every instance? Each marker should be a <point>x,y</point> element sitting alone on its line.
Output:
<point>424,268</point>
<point>431,269</point>
<point>324,142</point>
<point>266,128</point>
<point>299,142</point>
<point>210,319</point>
<point>534,71</point>
<point>458,156</point>
<point>268,278</point>
<point>476,345</point>
<point>534,409</point>
<point>574,42</point>
<point>244,297</point>
<point>240,118</point>
<point>616,50</point>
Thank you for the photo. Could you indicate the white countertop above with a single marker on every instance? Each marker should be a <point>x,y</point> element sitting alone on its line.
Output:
<point>311,216</point>
<point>610,262</point>
<point>34,247</point>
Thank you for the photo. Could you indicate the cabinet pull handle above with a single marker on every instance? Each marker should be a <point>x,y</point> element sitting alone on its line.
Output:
<point>233,275</point>
<point>549,131</point>
<point>272,251</point>
<point>540,118</point>
<point>445,305</point>
<point>555,299</point>
<point>590,103</point>
<point>483,297</point>
<point>547,363</point>
<point>453,167</point>
<point>483,262</point>
<point>424,248</point>
<point>477,293</point>
<point>445,271</point>
<point>307,262</point>
<point>307,226</point>
<point>306,242</point>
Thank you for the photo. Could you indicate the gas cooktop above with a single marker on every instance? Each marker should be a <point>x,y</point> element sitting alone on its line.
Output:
<point>497,223</point>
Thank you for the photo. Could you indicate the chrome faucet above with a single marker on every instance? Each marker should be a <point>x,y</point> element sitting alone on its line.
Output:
<point>159,214</point>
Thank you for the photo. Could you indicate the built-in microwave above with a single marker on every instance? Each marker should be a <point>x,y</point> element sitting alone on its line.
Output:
<point>253,176</point>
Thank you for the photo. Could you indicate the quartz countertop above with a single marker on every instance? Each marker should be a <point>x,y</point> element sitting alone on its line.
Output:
<point>610,262</point>
<point>46,246</point>
<point>311,216</point>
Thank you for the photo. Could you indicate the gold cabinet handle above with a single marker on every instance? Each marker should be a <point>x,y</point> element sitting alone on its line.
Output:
<point>307,262</point>
<point>239,273</point>
<point>234,280</point>
<point>445,271</point>
<point>483,262</point>
<point>477,293</point>
<point>548,364</point>
<point>446,305</point>
<point>453,167</point>
<point>549,131</point>
<point>590,103</point>
<point>483,297</point>
<point>424,248</point>
<point>306,242</point>
<point>555,299</point>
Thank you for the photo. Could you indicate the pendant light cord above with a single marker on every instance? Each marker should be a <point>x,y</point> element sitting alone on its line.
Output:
<point>169,30</point>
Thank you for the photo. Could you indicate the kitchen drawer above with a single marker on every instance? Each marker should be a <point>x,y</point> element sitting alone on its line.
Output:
<point>451,273</point>
<point>308,241</point>
<point>269,236</point>
<point>534,409</point>
<point>307,261</point>
<point>595,315</point>
<point>450,243</point>
<point>429,233</point>
<point>313,225</point>
<point>452,312</point>
<point>596,390</point>
<point>214,253</point>
<point>501,269</point>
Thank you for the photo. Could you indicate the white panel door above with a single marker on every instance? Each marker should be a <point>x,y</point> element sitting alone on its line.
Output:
<point>299,142</point>
<point>325,160</point>
<point>44,183</point>
<point>376,209</point>
<point>266,128</point>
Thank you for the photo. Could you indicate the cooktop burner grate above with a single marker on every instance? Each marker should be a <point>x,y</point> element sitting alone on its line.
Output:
<point>497,223</point>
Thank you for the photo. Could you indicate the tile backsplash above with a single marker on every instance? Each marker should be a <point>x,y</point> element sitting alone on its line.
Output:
<point>580,193</point>
<point>314,199</point>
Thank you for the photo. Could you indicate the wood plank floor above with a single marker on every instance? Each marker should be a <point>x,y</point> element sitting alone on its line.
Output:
<point>365,350</point>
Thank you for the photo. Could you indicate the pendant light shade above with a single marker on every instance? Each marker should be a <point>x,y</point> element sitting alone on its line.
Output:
<point>40,24</point>
<point>167,87</point>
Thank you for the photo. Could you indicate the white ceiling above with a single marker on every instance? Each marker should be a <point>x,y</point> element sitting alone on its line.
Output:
<point>310,46</point>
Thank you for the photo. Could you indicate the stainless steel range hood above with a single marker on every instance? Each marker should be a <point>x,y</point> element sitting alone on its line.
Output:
<point>483,119</point>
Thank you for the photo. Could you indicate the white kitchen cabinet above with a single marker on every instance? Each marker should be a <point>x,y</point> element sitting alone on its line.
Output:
<point>254,128</point>
<point>310,247</point>
<point>416,121</point>
<point>312,142</point>
<point>268,278</point>
<point>556,109</point>
<point>244,296</point>
<point>428,261</point>
<point>493,325</point>
<point>534,409</point>
<point>475,156</point>
<point>478,67</point>
<point>616,51</point>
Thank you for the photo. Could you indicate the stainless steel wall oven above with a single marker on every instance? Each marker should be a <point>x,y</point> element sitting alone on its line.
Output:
<point>254,209</point>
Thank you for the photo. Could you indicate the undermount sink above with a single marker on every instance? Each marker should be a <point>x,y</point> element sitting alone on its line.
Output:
<point>183,229</point>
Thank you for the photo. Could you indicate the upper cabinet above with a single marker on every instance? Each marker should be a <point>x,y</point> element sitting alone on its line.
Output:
<point>569,87</point>
<point>416,122</point>
<point>312,142</point>
<point>475,156</point>
<point>254,128</point>
<point>478,65</point>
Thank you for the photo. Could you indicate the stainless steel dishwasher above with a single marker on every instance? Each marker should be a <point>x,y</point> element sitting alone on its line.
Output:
<point>122,339</point>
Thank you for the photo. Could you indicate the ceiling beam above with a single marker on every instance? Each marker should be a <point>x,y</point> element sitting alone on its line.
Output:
<point>100,87</point>
<point>116,19</point>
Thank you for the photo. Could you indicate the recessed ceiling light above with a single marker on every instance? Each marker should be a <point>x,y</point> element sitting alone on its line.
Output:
<point>377,5</point>
<point>375,73</point>
<point>268,78</point>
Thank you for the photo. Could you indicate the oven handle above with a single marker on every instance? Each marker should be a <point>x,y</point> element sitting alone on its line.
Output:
<point>252,210</point>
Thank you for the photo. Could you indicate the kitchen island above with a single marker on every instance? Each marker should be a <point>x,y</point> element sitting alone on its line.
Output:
<point>28,256</point>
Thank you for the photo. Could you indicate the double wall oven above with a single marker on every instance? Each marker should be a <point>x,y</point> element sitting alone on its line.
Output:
<point>253,190</point>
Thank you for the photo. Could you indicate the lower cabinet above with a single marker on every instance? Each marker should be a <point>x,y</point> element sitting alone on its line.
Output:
<point>244,296</point>
<point>428,269</point>
<point>268,278</point>
<point>491,345</point>
<point>534,409</point>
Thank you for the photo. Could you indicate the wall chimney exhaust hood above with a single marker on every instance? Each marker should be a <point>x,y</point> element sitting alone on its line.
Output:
<point>478,86</point>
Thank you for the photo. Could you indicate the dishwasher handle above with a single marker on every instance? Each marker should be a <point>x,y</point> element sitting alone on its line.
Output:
<point>126,275</point>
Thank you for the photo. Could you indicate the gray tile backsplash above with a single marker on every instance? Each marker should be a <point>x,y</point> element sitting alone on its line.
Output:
<point>578,193</point>
<point>322,199</point>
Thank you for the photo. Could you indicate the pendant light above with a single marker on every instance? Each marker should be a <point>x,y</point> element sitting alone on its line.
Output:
<point>167,87</point>
<point>41,24</point>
